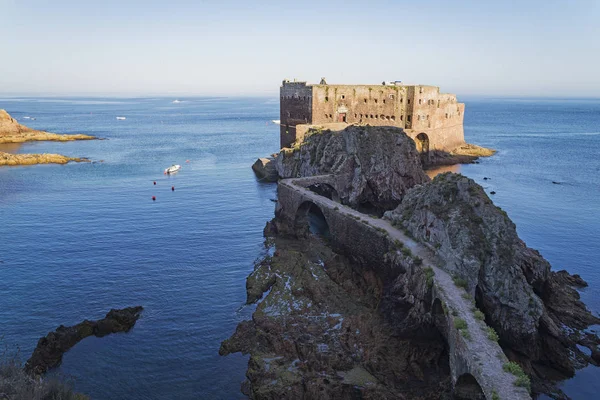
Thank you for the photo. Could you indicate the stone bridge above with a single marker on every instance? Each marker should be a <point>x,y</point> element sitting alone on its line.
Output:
<point>476,362</point>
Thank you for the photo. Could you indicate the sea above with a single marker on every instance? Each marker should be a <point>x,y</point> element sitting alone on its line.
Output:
<point>79,239</point>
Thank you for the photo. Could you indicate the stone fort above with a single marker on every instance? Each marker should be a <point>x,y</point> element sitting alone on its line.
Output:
<point>432,119</point>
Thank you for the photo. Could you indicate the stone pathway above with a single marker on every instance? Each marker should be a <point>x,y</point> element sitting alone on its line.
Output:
<point>478,355</point>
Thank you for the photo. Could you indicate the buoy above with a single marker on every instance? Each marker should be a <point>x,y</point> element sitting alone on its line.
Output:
<point>155,182</point>
<point>492,192</point>
<point>187,160</point>
<point>153,198</point>
<point>173,188</point>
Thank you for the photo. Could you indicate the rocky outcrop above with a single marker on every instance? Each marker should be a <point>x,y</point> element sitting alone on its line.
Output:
<point>13,132</point>
<point>536,312</point>
<point>8,159</point>
<point>465,154</point>
<point>50,349</point>
<point>319,333</point>
<point>373,166</point>
<point>265,169</point>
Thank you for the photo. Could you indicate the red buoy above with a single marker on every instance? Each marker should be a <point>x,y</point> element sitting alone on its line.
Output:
<point>155,182</point>
<point>153,198</point>
<point>173,188</point>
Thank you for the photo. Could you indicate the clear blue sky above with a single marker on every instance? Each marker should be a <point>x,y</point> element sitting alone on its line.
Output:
<point>229,47</point>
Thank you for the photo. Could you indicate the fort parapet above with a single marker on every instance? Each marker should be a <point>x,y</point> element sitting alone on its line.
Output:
<point>432,119</point>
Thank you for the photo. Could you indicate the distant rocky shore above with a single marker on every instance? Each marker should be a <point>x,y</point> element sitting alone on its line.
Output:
<point>332,325</point>
<point>13,132</point>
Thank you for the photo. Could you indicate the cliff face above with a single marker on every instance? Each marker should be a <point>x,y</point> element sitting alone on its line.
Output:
<point>373,166</point>
<point>8,125</point>
<point>534,310</point>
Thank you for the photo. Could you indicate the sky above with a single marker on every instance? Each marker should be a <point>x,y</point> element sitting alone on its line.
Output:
<point>526,48</point>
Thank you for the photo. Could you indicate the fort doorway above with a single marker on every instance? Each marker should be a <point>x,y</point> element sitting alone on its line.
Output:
<point>342,117</point>
<point>422,143</point>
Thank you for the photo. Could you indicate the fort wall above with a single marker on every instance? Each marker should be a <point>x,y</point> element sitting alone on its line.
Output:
<point>418,109</point>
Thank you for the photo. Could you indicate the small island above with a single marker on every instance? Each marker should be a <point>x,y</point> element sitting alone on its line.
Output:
<point>13,132</point>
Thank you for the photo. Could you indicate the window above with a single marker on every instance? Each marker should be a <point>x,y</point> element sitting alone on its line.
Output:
<point>355,115</point>
<point>326,98</point>
<point>401,118</point>
<point>365,101</point>
<point>371,116</point>
<point>446,115</point>
<point>375,101</point>
<point>391,97</point>
<point>343,97</point>
<point>394,117</point>
<point>326,116</point>
<point>420,90</point>
<point>408,101</point>
<point>330,116</point>
<point>383,101</point>
<point>408,118</point>
<point>401,99</point>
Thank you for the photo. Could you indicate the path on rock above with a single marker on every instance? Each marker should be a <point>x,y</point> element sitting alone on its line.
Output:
<point>477,355</point>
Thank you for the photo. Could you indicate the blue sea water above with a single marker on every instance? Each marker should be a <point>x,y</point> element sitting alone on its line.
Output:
<point>79,239</point>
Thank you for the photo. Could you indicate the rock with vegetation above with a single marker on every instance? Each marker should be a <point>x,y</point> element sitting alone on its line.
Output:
<point>373,166</point>
<point>15,384</point>
<point>50,349</point>
<point>536,312</point>
<point>13,132</point>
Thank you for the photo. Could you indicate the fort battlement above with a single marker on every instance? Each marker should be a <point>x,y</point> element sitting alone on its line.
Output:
<point>432,119</point>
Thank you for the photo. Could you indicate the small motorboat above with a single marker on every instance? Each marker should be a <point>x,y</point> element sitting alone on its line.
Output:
<point>176,101</point>
<point>172,169</point>
<point>121,118</point>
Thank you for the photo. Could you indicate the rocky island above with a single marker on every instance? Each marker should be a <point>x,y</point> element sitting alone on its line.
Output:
<point>13,132</point>
<point>406,287</point>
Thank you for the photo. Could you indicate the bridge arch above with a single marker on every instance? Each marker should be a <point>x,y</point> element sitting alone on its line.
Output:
<point>309,219</point>
<point>422,142</point>
<point>467,388</point>
<point>325,190</point>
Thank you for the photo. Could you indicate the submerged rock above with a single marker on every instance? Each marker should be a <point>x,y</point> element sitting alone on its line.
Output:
<point>50,349</point>
<point>373,166</point>
<point>535,311</point>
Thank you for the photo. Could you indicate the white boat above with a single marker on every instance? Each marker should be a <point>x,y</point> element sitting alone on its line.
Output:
<point>121,118</point>
<point>276,122</point>
<point>172,169</point>
<point>176,101</point>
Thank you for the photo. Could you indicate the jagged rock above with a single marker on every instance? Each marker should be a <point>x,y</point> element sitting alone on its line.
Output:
<point>372,165</point>
<point>265,169</point>
<point>50,349</point>
<point>534,310</point>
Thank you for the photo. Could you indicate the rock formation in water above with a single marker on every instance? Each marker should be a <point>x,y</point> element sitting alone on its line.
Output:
<point>31,159</point>
<point>373,166</point>
<point>265,169</point>
<point>13,132</point>
<point>536,312</point>
<point>319,332</point>
<point>328,318</point>
<point>50,349</point>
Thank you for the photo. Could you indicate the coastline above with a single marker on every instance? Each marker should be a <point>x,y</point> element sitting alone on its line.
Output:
<point>13,133</point>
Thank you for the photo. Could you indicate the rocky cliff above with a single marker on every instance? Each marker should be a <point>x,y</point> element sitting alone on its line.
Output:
<point>373,166</point>
<point>31,159</point>
<point>536,312</point>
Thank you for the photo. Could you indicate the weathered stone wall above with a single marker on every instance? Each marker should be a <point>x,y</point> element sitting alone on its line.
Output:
<point>295,108</point>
